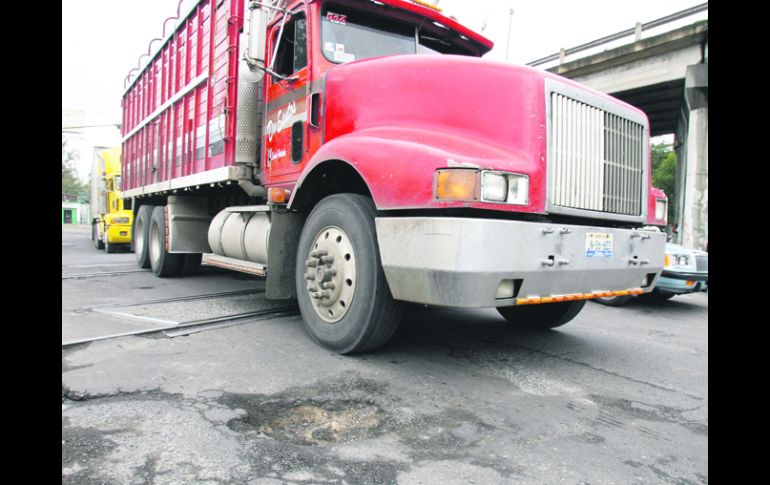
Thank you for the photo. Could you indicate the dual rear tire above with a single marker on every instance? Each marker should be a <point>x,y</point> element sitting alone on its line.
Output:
<point>150,245</point>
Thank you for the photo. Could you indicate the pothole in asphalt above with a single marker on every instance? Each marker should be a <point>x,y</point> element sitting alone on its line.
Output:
<point>310,422</point>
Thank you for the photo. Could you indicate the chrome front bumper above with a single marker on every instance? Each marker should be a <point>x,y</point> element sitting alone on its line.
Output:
<point>464,262</point>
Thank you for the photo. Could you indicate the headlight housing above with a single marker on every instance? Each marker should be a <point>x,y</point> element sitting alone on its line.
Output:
<point>119,220</point>
<point>482,185</point>
<point>661,210</point>
<point>679,260</point>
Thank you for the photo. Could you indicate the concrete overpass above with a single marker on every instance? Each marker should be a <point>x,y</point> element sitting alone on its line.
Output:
<point>666,76</point>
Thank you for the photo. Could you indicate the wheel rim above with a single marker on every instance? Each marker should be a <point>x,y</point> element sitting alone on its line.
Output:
<point>330,272</point>
<point>138,236</point>
<point>155,245</point>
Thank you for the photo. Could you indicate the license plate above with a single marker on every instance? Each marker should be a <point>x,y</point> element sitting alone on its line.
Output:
<point>598,245</point>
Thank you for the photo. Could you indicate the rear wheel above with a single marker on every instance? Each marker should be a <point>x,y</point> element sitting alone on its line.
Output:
<point>544,316</point>
<point>140,235</point>
<point>98,244</point>
<point>342,293</point>
<point>163,264</point>
<point>613,300</point>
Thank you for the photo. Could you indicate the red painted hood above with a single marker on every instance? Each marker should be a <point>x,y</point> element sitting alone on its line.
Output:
<point>399,118</point>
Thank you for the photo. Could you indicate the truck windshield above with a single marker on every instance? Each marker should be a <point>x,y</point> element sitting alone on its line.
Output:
<point>348,35</point>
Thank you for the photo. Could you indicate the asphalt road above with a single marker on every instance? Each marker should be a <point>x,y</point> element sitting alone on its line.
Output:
<point>619,395</point>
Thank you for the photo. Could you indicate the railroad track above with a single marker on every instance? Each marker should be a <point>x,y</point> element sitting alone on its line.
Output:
<point>176,329</point>
<point>105,273</point>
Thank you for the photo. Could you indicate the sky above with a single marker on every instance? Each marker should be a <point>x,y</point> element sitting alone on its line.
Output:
<point>102,41</point>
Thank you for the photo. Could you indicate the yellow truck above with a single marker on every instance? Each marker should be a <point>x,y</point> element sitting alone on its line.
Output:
<point>110,220</point>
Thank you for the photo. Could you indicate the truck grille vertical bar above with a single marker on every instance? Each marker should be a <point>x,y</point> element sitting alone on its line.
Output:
<point>598,158</point>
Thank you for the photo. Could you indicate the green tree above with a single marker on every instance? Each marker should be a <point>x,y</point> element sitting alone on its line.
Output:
<point>659,151</point>
<point>664,174</point>
<point>71,185</point>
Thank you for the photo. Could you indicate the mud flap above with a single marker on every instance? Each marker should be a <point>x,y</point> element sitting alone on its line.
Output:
<point>285,231</point>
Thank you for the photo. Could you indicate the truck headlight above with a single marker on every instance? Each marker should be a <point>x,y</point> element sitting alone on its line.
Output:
<point>485,185</point>
<point>661,210</point>
<point>494,187</point>
<point>508,188</point>
<point>518,189</point>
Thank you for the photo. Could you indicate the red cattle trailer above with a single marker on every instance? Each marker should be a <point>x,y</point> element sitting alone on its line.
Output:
<point>360,154</point>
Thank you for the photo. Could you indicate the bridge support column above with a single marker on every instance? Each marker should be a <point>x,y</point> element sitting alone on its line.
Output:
<point>693,166</point>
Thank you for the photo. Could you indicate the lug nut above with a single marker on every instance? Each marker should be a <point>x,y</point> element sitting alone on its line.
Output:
<point>311,262</point>
<point>318,253</point>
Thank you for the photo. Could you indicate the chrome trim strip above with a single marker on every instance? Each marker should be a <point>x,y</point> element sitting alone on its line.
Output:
<point>222,174</point>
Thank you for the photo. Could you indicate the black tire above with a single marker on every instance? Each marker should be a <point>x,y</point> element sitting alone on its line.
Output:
<point>658,296</point>
<point>191,264</point>
<point>544,316</point>
<point>98,244</point>
<point>613,300</point>
<point>111,248</point>
<point>140,235</point>
<point>370,317</point>
<point>163,264</point>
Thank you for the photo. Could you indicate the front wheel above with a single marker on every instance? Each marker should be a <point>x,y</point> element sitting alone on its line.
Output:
<point>109,247</point>
<point>544,316</point>
<point>342,293</point>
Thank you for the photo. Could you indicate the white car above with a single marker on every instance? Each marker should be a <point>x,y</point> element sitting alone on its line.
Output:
<point>685,271</point>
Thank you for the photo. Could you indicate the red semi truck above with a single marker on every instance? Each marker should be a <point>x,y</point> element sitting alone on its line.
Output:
<point>361,154</point>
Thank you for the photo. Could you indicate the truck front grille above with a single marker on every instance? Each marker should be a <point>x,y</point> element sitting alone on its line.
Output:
<point>598,158</point>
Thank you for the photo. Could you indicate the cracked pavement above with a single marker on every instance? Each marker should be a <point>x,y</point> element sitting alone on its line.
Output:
<point>619,395</point>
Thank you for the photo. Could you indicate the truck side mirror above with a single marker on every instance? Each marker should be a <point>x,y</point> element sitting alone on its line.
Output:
<point>255,52</point>
<point>260,13</point>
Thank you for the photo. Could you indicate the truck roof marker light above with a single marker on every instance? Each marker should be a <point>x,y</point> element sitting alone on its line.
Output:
<point>457,184</point>
<point>278,196</point>
<point>427,5</point>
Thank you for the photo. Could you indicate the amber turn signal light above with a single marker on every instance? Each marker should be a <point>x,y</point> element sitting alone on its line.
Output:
<point>456,184</point>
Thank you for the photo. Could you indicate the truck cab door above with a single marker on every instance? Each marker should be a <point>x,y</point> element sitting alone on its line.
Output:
<point>284,134</point>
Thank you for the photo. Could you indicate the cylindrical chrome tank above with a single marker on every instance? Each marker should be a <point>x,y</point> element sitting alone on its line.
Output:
<point>240,235</point>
